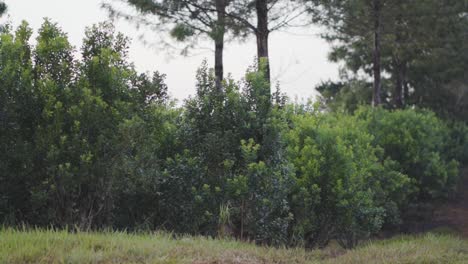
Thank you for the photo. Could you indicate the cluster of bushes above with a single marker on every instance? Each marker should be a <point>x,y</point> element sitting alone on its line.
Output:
<point>356,174</point>
<point>92,144</point>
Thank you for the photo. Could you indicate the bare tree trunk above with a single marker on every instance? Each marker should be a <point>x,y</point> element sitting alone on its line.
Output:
<point>242,220</point>
<point>377,63</point>
<point>398,62</point>
<point>262,33</point>
<point>399,79</point>
<point>218,37</point>
<point>219,68</point>
<point>405,85</point>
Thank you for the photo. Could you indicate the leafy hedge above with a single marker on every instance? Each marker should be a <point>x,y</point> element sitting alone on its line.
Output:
<point>92,144</point>
<point>356,174</point>
<point>420,143</point>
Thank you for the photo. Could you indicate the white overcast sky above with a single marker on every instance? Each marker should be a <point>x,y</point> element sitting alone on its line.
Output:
<point>298,57</point>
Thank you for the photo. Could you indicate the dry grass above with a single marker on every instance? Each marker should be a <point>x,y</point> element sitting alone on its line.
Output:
<point>113,247</point>
<point>429,248</point>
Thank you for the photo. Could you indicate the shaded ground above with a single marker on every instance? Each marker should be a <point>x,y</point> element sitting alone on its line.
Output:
<point>455,214</point>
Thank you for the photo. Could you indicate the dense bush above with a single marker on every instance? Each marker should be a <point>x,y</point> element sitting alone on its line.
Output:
<point>419,142</point>
<point>237,137</point>
<point>457,146</point>
<point>18,119</point>
<point>343,190</point>
<point>92,144</point>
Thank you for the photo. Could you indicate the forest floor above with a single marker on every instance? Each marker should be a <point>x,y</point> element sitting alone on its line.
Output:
<point>37,246</point>
<point>455,214</point>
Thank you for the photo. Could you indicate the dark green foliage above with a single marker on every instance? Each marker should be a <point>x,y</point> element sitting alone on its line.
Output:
<point>92,144</point>
<point>235,134</point>
<point>457,145</point>
<point>79,119</point>
<point>62,116</point>
<point>343,190</point>
<point>18,117</point>
<point>260,193</point>
<point>418,141</point>
<point>145,142</point>
<point>3,8</point>
<point>344,96</point>
<point>423,54</point>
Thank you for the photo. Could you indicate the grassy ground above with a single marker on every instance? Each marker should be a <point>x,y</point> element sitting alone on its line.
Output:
<point>429,248</point>
<point>62,247</point>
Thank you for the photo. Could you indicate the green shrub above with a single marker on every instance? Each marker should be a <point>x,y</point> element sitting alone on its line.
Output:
<point>457,146</point>
<point>93,144</point>
<point>259,193</point>
<point>418,141</point>
<point>342,190</point>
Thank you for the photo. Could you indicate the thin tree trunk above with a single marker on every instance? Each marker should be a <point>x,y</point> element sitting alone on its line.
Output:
<point>219,34</point>
<point>377,63</point>
<point>219,68</point>
<point>242,220</point>
<point>262,33</point>
<point>398,93</point>
<point>398,63</point>
<point>406,95</point>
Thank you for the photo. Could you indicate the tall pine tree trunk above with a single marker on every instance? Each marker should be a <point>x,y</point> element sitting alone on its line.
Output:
<point>377,55</point>
<point>262,33</point>
<point>398,93</point>
<point>219,42</point>
<point>398,63</point>
<point>219,67</point>
<point>405,85</point>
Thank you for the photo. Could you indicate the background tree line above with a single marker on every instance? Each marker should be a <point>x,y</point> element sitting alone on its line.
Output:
<point>90,143</point>
<point>415,51</point>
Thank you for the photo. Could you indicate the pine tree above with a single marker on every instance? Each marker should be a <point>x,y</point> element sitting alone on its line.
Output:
<point>186,21</point>
<point>3,8</point>
<point>261,18</point>
<point>391,36</point>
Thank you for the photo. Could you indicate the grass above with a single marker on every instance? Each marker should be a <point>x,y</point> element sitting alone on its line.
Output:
<point>113,247</point>
<point>429,248</point>
<point>37,246</point>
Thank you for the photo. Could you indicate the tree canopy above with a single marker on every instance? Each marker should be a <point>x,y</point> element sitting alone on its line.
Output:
<point>3,8</point>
